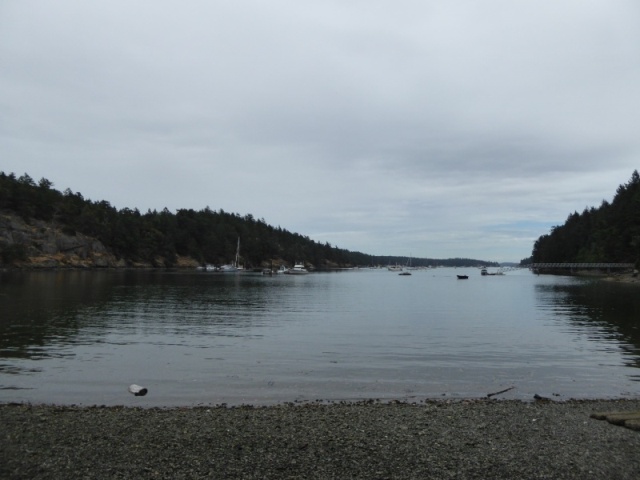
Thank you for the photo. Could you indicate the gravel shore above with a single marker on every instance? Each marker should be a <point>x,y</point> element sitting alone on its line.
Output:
<point>474,439</point>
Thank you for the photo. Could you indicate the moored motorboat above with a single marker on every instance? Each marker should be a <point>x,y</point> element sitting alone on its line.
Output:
<point>484,271</point>
<point>229,268</point>
<point>462,277</point>
<point>400,268</point>
<point>208,268</point>
<point>298,269</point>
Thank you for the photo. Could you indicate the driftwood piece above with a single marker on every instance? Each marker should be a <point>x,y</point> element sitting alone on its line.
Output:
<point>630,419</point>
<point>489,395</point>
<point>632,424</point>
<point>137,390</point>
<point>621,418</point>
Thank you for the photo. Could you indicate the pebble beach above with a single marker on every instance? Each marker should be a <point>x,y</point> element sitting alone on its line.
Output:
<point>463,439</point>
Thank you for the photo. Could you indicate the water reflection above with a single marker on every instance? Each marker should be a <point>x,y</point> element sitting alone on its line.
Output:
<point>47,309</point>
<point>41,309</point>
<point>604,313</point>
<point>348,335</point>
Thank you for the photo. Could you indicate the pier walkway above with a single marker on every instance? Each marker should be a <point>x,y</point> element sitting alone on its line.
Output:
<point>582,266</point>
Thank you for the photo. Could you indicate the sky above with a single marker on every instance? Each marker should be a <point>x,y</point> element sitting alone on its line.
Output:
<point>425,128</point>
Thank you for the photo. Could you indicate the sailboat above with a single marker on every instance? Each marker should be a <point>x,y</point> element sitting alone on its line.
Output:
<point>233,267</point>
<point>406,273</point>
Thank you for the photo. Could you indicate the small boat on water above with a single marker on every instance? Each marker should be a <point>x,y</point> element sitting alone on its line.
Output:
<point>404,274</point>
<point>484,271</point>
<point>229,268</point>
<point>207,268</point>
<point>462,277</point>
<point>235,266</point>
<point>400,268</point>
<point>298,269</point>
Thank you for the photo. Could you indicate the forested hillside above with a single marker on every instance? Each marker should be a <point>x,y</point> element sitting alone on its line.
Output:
<point>158,238</point>
<point>610,233</point>
<point>52,222</point>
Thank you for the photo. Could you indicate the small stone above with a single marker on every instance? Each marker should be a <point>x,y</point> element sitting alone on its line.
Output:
<point>137,390</point>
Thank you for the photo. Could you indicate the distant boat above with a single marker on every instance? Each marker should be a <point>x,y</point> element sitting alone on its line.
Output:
<point>462,277</point>
<point>233,267</point>
<point>298,269</point>
<point>484,271</point>
<point>207,268</point>
<point>404,274</point>
<point>400,268</point>
<point>229,268</point>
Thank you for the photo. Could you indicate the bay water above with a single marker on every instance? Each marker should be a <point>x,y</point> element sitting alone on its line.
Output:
<point>198,338</point>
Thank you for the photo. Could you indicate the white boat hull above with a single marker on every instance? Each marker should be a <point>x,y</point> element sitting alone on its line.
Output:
<point>298,269</point>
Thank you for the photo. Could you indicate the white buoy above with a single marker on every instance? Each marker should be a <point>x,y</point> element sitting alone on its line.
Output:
<point>137,390</point>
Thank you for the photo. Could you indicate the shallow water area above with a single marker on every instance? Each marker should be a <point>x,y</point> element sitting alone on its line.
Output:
<point>197,338</point>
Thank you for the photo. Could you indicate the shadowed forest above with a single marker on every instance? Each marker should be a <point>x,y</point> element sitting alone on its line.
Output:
<point>159,237</point>
<point>609,233</point>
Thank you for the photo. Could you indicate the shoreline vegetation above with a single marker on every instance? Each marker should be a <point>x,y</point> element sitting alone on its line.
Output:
<point>463,439</point>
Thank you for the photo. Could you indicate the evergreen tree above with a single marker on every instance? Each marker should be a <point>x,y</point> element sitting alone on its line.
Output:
<point>610,233</point>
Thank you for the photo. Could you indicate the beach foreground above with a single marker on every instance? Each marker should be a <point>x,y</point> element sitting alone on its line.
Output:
<point>474,439</point>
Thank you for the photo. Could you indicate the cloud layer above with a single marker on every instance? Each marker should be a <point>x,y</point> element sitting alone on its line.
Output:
<point>437,129</point>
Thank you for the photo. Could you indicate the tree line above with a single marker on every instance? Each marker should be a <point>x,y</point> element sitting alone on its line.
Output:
<point>208,236</point>
<point>609,233</point>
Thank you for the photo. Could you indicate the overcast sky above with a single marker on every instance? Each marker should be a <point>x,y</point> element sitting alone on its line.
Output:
<point>452,128</point>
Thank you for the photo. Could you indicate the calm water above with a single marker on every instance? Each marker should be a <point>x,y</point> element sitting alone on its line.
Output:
<point>196,338</point>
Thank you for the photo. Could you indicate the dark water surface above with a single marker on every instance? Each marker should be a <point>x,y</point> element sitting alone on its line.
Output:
<point>191,338</point>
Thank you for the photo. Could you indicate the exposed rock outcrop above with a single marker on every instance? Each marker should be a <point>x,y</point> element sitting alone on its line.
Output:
<point>39,244</point>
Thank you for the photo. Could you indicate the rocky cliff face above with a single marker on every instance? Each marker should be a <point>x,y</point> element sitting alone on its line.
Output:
<point>40,244</point>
